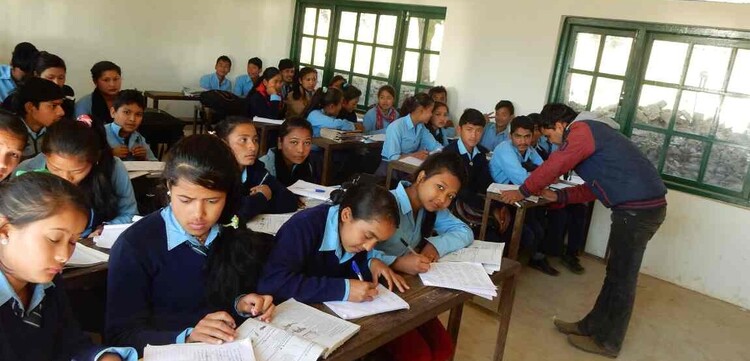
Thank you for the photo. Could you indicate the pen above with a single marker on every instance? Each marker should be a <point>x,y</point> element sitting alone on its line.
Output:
<point>518,204</point>
<point>318,190</point>
<point>264,178</point>
<point>356,270</point>
<point>409,247</point>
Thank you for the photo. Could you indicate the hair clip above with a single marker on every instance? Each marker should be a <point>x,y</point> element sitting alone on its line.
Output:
<point>85,119</point>
<point>325,89</point>
<point>235,223</point>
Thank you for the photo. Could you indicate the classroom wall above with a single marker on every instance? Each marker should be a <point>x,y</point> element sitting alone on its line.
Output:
<point>492,49</point>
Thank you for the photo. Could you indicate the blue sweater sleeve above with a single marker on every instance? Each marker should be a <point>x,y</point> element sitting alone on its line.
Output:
<point>126,204</point>
<point>452,233</point>
<point>392,145</point>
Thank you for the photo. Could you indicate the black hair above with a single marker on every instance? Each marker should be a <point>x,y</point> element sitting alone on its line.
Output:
<point>505,104</point>
<point>294,122</point>
<point>23,56</point>
<point>226,126</point>
<point>12,124</point>
<point>268,74</point>
<point>207,161</point>
<point>367,201</point>
<point>435,164</point>
<point>389,89</point>
<point>297,83</point>
<point>556,112</point>
<point>473,117</point>
<point>536,118</point>
<point>322,98</point>
<point>45,60</point>
<point>256,61</point>
<point>129,96</point>
<point>336,78</point>
<point>437,90</point>
<point>351,92</point>
<point>224,58</point>
<point>417,100</point>
<point>285,64</point>
<point>522,122</point>
<point>437,105</point>
<point>33,90</point>
<point>34,196</point>
<point>79,140</point>
<point>99,68</point>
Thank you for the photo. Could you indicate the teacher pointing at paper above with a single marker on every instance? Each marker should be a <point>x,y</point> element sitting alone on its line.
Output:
<point>623,179</point>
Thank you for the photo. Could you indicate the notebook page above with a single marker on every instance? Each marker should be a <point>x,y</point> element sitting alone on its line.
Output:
<point>385,301</point>
<point>241,350</point>
<point>274,344</point>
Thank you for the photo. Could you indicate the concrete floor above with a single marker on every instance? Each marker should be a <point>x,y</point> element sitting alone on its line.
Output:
<point>668,323</point>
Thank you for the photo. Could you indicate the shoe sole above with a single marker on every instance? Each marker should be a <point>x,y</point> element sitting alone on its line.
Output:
<point>594,352</point>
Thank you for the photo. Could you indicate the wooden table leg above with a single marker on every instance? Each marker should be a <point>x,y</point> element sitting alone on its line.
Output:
<point>156,103</point>
<point>388,175</point>
<point>454,324</point>
<point>324,178</point>
<point>515,238</point>
<point>507,294</point>
<point>263,141</point>
<point>485,218</point>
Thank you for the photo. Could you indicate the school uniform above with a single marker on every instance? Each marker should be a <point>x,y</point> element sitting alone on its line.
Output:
<point>133,140</point>
<point>286,89</point>
<point>478,171</point>
<point>7,83</point>
<point>243,84</point>
<point>308,261</point>
<point>491,138</point>
<point>123,190</point>
<point>544,147</point>
<point>251,205</point>
<point>320,120</point>
<point>33,141</point>
<point>260,104</point>
<point>376,121</point>
<point>47,330</point>
<point>440,135</point>
<point>350,116</point>
<point>308,171</point>
<point>212,82</point>
<point>296,107</point>
<point>403,137</point>
<point>509,166</point>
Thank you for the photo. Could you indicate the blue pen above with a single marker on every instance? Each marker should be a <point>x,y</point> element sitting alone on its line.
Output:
<point>356,270</point>
<point>318,190</point>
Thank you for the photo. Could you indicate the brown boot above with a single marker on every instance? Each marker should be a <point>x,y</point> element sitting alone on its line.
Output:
<point>568,328</point>
<point>588,344</point>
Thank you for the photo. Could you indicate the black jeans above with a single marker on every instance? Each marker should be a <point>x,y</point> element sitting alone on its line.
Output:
<point>570,220</point>
<point>630,232</point>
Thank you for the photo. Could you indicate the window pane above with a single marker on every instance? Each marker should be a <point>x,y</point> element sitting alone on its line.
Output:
<point>344,56</point>
<point>606,96</point>
<point>435,34</point>
<point>414,36</point>
<point>305,53</point>
<point>708,66</point>
<point>386,29</point>
<point>324,21</point>
<point>650,143</point>
<point>697,112</point>
<point>577,90</point>
<point>655,106</point>
<point>727,167</point>
<point>615,55</point>
<point>382,65</point>
<point>430,63</point>
<point>411,64</point>
<point>321,73</point>
<point>738,82</point>
<point>374,87</point>
<point>309,26</point>
<point>367,27</point>
<point>361,84</point>
<point>406,91</point>
<point>321,45</point>
<point>362,59</point>
<point>347,26</point>
<point>666,61</point>
<point>684,158</point>
<point>586,49</point>
<point>734,120</point>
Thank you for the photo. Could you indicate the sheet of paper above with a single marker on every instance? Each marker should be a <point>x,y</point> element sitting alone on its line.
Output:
<point>147,166</point>
<point>464,276</point>
<point>489,254</point>
<point>500,187</point>
<point>267,120</point>
<point>311,190</point>
<point>274,344</point>
<point>312,202</point>
<point>241,350</point>
<point>269,223</point>
<point>386,301</point>
<point>86,256</point>
<point>411,160</point>
<point>376,137</point>
<point>138,173</point>
<point>109,235</point>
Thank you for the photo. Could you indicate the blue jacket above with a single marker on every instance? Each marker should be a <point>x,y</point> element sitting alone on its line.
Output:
<point>282,200</point>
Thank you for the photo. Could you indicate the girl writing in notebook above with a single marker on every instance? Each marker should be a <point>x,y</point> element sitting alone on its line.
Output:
<point>407,136</point>
<point>41,219</point>
<point>264,100</point>
<point>291,161</point>
<point>12,142</point>
<point>73,151</point>
<point>376,119</point>
<point>178,275</point>
<point>305,82</point>
<point>261,191</point>
<point>324,109</point>
<point>438,122</point>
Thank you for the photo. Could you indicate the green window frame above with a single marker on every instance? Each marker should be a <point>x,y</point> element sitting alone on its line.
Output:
<point>677,91</point>
<point>370,44</point>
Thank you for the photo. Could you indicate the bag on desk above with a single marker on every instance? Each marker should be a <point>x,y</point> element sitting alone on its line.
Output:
<point>223,104</point>
<point>160,127</point>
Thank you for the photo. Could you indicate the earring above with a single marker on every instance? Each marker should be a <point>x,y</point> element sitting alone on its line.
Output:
<point>4,240</point>
<point>169,193</point>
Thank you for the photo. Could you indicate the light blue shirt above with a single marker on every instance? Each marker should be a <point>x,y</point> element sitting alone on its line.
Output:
<point>7,84</point>
<point>115,140</point>
<point>33,141</point>
<point>7,293</point>
<point>491,138</point>
<point>370,121</point>
<point>242,85</point>
<point>211,82</point>
<point>320,120</point>
<point>545,144</point>
<point>505,165</point>
<point>403,137</point>
<point>452,234</point>
<point>83,105</point>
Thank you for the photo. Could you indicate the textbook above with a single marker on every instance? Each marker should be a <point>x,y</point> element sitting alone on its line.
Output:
<point>489,254</point>
<point>312,190</point>
<point>464,276</point>
<point>109,235</point>
<point>385,301</point>
<point>341,135</point>
<point>298,332</point>
<point>143,166</point>
<point>269,223</point>
<point>241,350</point>
<point>86,256</point>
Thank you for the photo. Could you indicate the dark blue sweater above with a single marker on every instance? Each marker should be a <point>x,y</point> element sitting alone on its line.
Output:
<point>479,178</point>
<point>58,338</point>
<point>297,268</point>
<point>282,200</point>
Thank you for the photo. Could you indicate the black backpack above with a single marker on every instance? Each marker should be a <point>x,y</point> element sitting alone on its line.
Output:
<point>223,104</point>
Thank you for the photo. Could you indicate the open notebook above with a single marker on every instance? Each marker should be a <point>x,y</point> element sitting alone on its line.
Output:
<point>86,256</point>
<point>500,188</point>
<point>109,234</point>
<point>298,332</point>
<point>312,190</point>
<point>269,223</point>
<point>241,350</point>
<point>463,276</point>
<point>488,254</point>
<point>385,301</point>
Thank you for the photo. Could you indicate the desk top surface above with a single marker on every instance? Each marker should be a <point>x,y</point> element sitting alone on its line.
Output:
<point>168,95</point>
<point>328,143</point>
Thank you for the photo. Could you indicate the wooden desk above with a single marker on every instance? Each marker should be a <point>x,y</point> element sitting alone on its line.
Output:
<point>515,238</point>
<point>400,166</point>
<point>157,95</point>
<point>264,132</point>
<point>427,303</point>
<point>330,146</point>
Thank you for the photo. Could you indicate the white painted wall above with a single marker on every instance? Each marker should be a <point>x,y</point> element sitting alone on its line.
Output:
<point>492,49</point>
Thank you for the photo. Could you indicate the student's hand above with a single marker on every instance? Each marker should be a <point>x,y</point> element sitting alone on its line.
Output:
<point>216,328</point>
<point>511,197</point>
<point>361,291</point>
<point>489,116</point>
<point>412,264</point>
<point>359,126</point>
<point>378,269</point>
<point>502,216</point>
<point>430,252</point>
<point>97,231</point>
<point>549,195</point>
<point>266,190</point>
<point>120,152</point>
<point>139,152</point>
<point>254,304</point>
<point>420,154</point>
<point>110,357</point>
<point>300,203</point>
